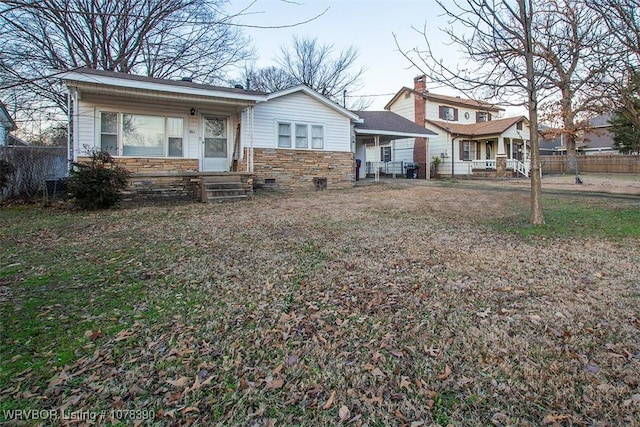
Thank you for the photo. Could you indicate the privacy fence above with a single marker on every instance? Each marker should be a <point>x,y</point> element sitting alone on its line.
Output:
<point>600,163</point>
<point>33,168</point>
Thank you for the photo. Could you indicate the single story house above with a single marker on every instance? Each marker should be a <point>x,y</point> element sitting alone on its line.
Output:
<point>289,139</point>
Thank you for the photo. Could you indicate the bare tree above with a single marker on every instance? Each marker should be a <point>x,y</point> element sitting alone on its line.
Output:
<point>269,79</point>
<point>572,40</point>
<point>315,65</point>
<point>159,38</point>
<point>622,20</point>
<point>498,39</point>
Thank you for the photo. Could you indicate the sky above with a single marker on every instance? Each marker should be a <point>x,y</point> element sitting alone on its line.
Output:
<point>368,25</point>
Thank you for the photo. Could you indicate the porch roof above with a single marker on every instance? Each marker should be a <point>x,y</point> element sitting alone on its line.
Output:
<point>113,83</point>
<point>472,130</point>
<point>389,126</point>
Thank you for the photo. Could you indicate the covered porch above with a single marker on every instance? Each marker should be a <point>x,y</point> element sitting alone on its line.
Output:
<point>387,144</point>
<point>495,156</point>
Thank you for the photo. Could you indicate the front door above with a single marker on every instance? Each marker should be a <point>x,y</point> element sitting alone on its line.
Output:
<point>215,153</point>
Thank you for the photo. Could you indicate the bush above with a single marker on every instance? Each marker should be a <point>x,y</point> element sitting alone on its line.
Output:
<point>6,170</point>
<point>97,184</point>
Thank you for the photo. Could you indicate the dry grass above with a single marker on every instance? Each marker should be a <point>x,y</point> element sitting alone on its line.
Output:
<point>374,306</point>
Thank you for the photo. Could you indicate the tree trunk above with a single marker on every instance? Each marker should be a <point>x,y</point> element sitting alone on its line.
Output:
<point>537,217</point>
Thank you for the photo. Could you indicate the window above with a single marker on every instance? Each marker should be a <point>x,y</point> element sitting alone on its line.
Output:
<point>385,154</point>
<point>284,135</point>
<point>483,116</point>
<point>109,133</point>
<point>317,137</point>
<point>141,135</point>
<point>302,137</point>
<point>469,150</point>
<point>448,113</point>
<point>519,125</point>
<point>175,127</point>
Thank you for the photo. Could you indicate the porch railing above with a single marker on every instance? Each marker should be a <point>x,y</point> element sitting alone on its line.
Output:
<point>515,165</point>
<point>484,164</point>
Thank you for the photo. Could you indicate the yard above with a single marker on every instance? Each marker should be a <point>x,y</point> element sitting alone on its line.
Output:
<point>381,305</point>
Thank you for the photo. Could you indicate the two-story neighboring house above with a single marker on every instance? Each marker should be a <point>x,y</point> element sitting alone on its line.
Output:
<point>472,137</point>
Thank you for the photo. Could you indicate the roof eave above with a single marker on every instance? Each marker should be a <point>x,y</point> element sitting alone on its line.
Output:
<point>75,79</point>
<point>391,133</point>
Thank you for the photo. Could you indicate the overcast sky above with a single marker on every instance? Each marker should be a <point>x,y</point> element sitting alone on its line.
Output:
<point>368,25</point>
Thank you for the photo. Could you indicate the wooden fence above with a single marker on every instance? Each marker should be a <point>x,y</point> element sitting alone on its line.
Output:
<point>599,163</point>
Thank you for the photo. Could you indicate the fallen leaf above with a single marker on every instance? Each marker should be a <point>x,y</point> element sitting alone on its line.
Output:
<point>292,360</point>
<point>275,384</point>
<point>123,335</point>
<point>554,419</point>
<point>446,373</point>
<point>376,372</point>
<point>405,383</point>
<point>329,403</point>
<point>180,382</point>
<point>534,318</point>
<point>344,413</point>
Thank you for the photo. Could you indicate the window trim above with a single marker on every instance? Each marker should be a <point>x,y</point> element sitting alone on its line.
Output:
<point>293,138</point>
<point>441,113</point>
<point>119,151</point>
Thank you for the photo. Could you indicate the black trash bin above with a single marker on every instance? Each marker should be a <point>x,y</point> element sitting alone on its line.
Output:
<point>411,170</point>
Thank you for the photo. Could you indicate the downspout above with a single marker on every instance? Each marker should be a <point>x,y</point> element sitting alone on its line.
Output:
<point>251,137</point>
<point>70,128</point>
<point>453,160</point>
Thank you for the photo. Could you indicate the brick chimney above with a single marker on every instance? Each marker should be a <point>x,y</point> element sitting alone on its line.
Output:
<point>419,104</point>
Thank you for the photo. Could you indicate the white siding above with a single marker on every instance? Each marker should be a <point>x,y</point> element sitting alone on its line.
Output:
<point>404,106</point>
<point>300,108</point>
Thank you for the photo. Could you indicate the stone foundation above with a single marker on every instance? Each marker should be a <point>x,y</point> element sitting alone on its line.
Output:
<point>284,169</point>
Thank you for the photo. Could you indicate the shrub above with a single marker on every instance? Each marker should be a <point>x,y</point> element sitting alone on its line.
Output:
<point>97,184</point>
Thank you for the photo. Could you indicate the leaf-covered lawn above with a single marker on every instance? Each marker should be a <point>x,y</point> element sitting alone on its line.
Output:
<point>374,306</point>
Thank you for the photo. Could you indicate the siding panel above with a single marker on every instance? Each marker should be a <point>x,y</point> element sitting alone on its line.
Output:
<point>301,108</point>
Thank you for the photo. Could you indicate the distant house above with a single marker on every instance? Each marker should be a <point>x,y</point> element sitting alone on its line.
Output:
<point>7,125</point>
<point>471,136</point>
<point>596,139</point>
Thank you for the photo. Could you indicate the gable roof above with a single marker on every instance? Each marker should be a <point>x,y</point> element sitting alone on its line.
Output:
<point>452,100</point>
<point>389,124</point>
<point>5,119</point>
<point>88,76</point>
<point>491,127</point>
<point>315,95</point>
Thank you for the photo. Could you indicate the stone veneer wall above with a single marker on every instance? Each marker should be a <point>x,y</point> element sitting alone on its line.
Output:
<point>296,169</point>
<point>154,164</point>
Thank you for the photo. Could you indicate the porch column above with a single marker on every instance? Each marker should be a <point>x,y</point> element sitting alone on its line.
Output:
<point>393,157</point>
<point>250,138</point>
<point>376,140</point>
<point>500,151</point>
<point>524,150</point>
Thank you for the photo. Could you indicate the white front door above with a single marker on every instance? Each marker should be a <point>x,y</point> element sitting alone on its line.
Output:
<point>215,150</point>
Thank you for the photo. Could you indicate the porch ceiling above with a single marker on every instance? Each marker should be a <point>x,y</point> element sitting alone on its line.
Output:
<point>89,90</point>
